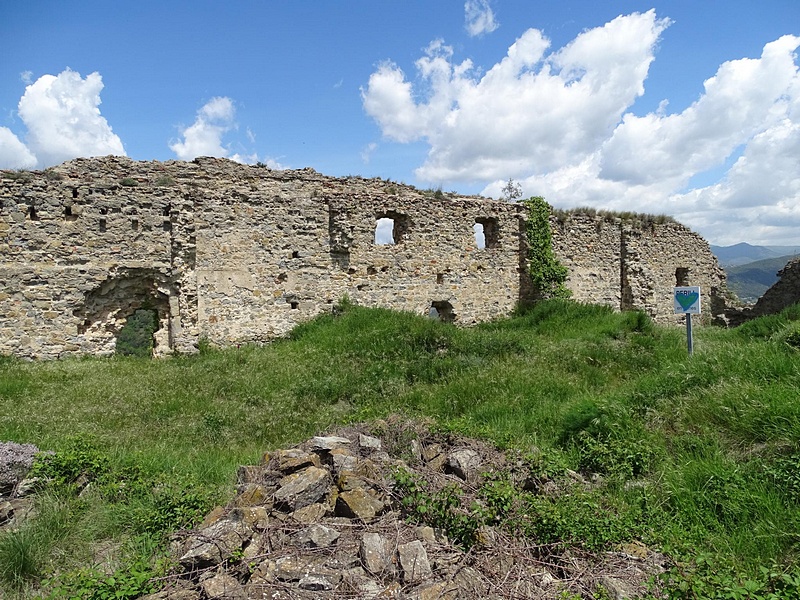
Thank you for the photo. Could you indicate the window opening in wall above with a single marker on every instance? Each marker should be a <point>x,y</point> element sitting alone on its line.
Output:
<point>74,192</point>
<point>390,228</point>
<point>136,336</point>
<point>442,310</point>
<point>69,215</point>
<point>487,232</point>
<point>31,214</point>
<point>167,210</point>
<point>134,224</point>
<point>294,304</point>
<point>440,278</point>
<point>384,231</point>
<point>480,237</point>
<point>102,225</point>
<point>295,254</point>
<point>682,276</point>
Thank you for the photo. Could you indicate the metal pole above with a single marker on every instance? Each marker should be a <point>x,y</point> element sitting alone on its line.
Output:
<point>689,340</point>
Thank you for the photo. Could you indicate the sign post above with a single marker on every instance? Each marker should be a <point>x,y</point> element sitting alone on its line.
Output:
<point>687,302</point>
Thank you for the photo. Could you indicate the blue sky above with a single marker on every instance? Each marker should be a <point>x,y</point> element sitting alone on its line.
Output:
<point>689,108</point>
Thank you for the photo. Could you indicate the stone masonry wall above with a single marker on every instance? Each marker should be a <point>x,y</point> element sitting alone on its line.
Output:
<point>239,254</point>
<point>635,264</point>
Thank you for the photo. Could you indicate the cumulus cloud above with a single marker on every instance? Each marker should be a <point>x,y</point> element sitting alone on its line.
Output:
<point>531,112</point>
<point>63,121</point>
<point>13,153</point>
<point>479,17</point>
<point>560,123</point>
<point>204,137</point>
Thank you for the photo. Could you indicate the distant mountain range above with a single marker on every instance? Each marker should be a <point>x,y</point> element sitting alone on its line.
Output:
<point>752,270</point>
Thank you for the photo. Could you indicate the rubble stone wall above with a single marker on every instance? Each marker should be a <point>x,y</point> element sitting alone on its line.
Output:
<point>238,254</point>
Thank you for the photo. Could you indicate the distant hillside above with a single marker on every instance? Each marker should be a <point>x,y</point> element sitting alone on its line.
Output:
<point>740,254</point>
<point>750,281</point>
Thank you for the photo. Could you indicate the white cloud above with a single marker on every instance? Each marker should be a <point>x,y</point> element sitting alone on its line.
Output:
<point>531,112</point>
<point>204,136</point>
<point>13,153</point>
<point>479,17</point>
<point>367,152</point>
<point>560,123</point>
<point>63,121</point>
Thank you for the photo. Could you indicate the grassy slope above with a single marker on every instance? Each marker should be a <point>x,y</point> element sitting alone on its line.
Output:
<point>712,441</point>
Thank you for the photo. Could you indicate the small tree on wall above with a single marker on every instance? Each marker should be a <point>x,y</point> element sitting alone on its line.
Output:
<point>547,274</point>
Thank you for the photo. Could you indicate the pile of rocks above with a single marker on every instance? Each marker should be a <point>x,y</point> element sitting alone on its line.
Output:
<point>323,520</point>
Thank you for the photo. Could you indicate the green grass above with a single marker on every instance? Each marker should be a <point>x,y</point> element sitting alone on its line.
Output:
<point>699,455</point>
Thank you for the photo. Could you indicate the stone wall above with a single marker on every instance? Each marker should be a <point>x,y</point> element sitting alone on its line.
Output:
<point>634,263</point>
<point>237,254</point>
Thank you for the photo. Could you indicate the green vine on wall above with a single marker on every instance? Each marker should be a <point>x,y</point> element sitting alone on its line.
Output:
<point>547,274</point>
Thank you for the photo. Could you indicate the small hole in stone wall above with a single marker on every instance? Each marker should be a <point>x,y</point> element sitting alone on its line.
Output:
<point>372,270</point>
<point>134,224</point>
<point>167,226</point>
<point>280,278</point>
<point>167,210</point>
<point>384,269</point>
<point>440,278</point>
<point>294,304</point>
<point>31,213</point>
<point>442,310</point>
<point>69,215</point>
<point>74,192</point>
<point>682,276</point>
<point>102,225</point>
<point>295,254</point>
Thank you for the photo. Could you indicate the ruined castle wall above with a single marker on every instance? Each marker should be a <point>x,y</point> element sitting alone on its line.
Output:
<point>238,254</point>
<point>232,253</point>
<point>635,264</point>
<point>590,247</point>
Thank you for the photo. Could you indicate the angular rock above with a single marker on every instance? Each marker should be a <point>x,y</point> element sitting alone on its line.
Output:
<point>316,536</point>
<point>316,583</point>
<point>310,514</point>
<point>255,517</point>
<point>414,562</point>
<point>295,568</point>
<point>223,587</point>
<point>6,511</point>
<point>212,545</point>
<point>376,553</point>
<point>343,459</point>
<point>303,488</point>
<point>328,443</point>
<point>359,504</point>
<point>289,461</point>
<point>15,462</point>
<point>253,494</point>
<point>464,463</point>
<point>367,442</point>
